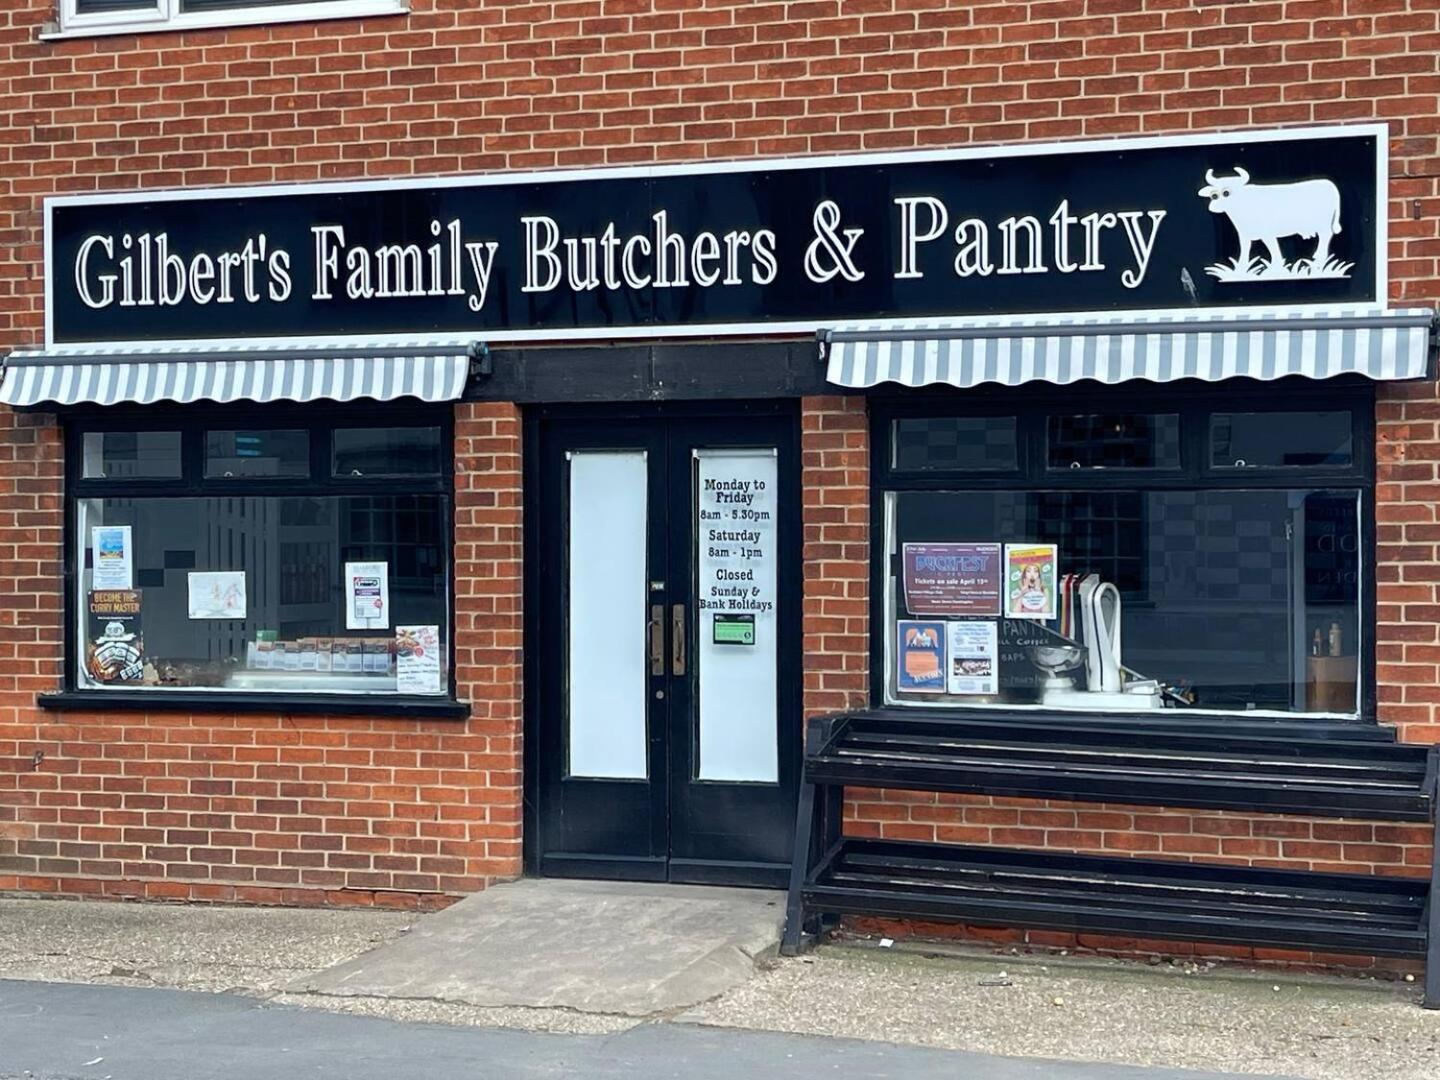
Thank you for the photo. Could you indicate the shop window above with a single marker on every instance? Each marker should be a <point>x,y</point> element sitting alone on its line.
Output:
<point>963,443</point>
<point>1140,592</point>
<point>257,453</point>
<point>1280,440</point>
<point>1114,441</point>
<point>387,451</point>
<point>116,16</point>
<point>131,455</point>
<point>220,582</point>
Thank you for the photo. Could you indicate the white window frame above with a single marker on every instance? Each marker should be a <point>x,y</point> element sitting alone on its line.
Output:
<point>167,15</point>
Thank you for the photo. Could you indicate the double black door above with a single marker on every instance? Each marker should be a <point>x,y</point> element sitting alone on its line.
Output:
<point>664,646</point>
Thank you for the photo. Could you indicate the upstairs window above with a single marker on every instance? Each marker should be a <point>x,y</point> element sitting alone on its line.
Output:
<point>78,17</point>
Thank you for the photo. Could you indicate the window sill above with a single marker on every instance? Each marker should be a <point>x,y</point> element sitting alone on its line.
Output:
<point>420,708</point>
<point>221,20</point>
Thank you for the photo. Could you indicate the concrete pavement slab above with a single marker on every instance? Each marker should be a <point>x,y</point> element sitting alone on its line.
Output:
<point>593,946</point>
<point>121,1033</point>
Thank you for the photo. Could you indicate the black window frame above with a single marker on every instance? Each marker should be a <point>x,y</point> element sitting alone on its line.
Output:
<point>193,421</point>
<point>1194,401</point>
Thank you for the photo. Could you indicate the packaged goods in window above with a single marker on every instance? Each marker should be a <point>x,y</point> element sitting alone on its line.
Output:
<point>922,655</point>
<point>375,656</point>
<point>1030,580</point>
<point>262,652</point>
<point>953,579</point>
<point>348,656</point>
<point>115,651</point>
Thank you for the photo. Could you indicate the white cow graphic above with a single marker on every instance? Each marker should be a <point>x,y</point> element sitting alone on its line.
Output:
<point>1309,209</point>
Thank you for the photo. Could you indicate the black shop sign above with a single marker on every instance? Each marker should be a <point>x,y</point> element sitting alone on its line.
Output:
<point>1273,219</point>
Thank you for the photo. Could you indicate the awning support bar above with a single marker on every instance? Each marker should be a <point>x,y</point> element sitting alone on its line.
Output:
<point>1069,330</point>
<point>475,350</point>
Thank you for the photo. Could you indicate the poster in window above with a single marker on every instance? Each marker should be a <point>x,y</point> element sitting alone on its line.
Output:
<point>952,579</point>
<point>367,596</point>
<point>972,651</point>
<point>114,555</point>
<point>417,659</point>
<point>114,646</point>
<point>922,656</point>
<point>217,594</point>
<point>1030,580</point>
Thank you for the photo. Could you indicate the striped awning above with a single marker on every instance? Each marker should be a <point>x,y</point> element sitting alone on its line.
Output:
<point>1375,343</point>
<point>106,376</point>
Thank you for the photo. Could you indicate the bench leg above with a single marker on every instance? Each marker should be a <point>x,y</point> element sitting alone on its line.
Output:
<point>1431,1000</point>
<point>801,861</point>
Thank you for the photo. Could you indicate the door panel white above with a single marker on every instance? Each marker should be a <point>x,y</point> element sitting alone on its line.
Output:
<point>736,627</point>
<point>606,648</point>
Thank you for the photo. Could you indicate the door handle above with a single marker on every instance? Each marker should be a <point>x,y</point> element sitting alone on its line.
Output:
<point>677,639</point>
<point>657,639</point>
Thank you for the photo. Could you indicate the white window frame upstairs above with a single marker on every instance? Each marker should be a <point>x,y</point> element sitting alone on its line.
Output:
<point>167,15</point>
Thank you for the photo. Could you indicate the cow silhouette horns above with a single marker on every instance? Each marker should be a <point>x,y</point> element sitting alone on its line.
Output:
<point>1240,174</point>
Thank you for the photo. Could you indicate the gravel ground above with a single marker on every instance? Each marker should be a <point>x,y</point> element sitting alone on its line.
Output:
<point>252,951</point>
<point>1086,1009</point>
<point>1082,1009</point>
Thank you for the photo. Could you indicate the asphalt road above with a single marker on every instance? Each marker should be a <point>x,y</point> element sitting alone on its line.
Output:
<point>50,1030</point>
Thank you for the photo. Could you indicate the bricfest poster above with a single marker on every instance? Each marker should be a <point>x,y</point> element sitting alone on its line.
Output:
<point>953,579</point>
<point>114,650</point>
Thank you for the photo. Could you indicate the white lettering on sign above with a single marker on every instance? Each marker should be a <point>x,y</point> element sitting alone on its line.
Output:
<point>736,576</point>
<point>1022,240</point>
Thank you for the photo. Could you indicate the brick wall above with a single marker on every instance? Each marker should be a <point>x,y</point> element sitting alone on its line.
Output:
<point>510,84</point>
<point>269,808</point>
<point>835,490</point>
<point>1408,570</point>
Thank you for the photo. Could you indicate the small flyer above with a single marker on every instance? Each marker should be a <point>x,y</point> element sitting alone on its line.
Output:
<point>973,648</point>
<point>367,596</point>
<point>922,656</point>
<point>217,594</point>
<point>417,659</point>
<point>952,579</point>
<point>114,648</point>
<point>1030,580</point>
<point>114,557</point>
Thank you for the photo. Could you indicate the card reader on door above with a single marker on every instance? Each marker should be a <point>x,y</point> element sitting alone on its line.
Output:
<point>734,629</point>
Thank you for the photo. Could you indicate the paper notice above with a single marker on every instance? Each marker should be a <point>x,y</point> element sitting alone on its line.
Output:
<point>417,659</point>
<point>367,596</point>
<point>114,553</point>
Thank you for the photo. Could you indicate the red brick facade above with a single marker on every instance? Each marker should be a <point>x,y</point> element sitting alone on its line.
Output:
<point>264,809</point>
<point>336,809</point>
<point>835,485</point>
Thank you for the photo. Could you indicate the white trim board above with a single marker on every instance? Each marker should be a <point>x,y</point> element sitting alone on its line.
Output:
<point>165,17</point>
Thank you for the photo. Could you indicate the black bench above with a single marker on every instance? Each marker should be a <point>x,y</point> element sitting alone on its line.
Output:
<point>1318,769</point>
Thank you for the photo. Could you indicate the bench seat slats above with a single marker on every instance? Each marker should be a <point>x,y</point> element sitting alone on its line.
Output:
<point>1134,897</point>
<point>1247,769</point>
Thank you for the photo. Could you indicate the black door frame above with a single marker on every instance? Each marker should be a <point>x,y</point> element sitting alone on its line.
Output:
<point>790,584</point>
